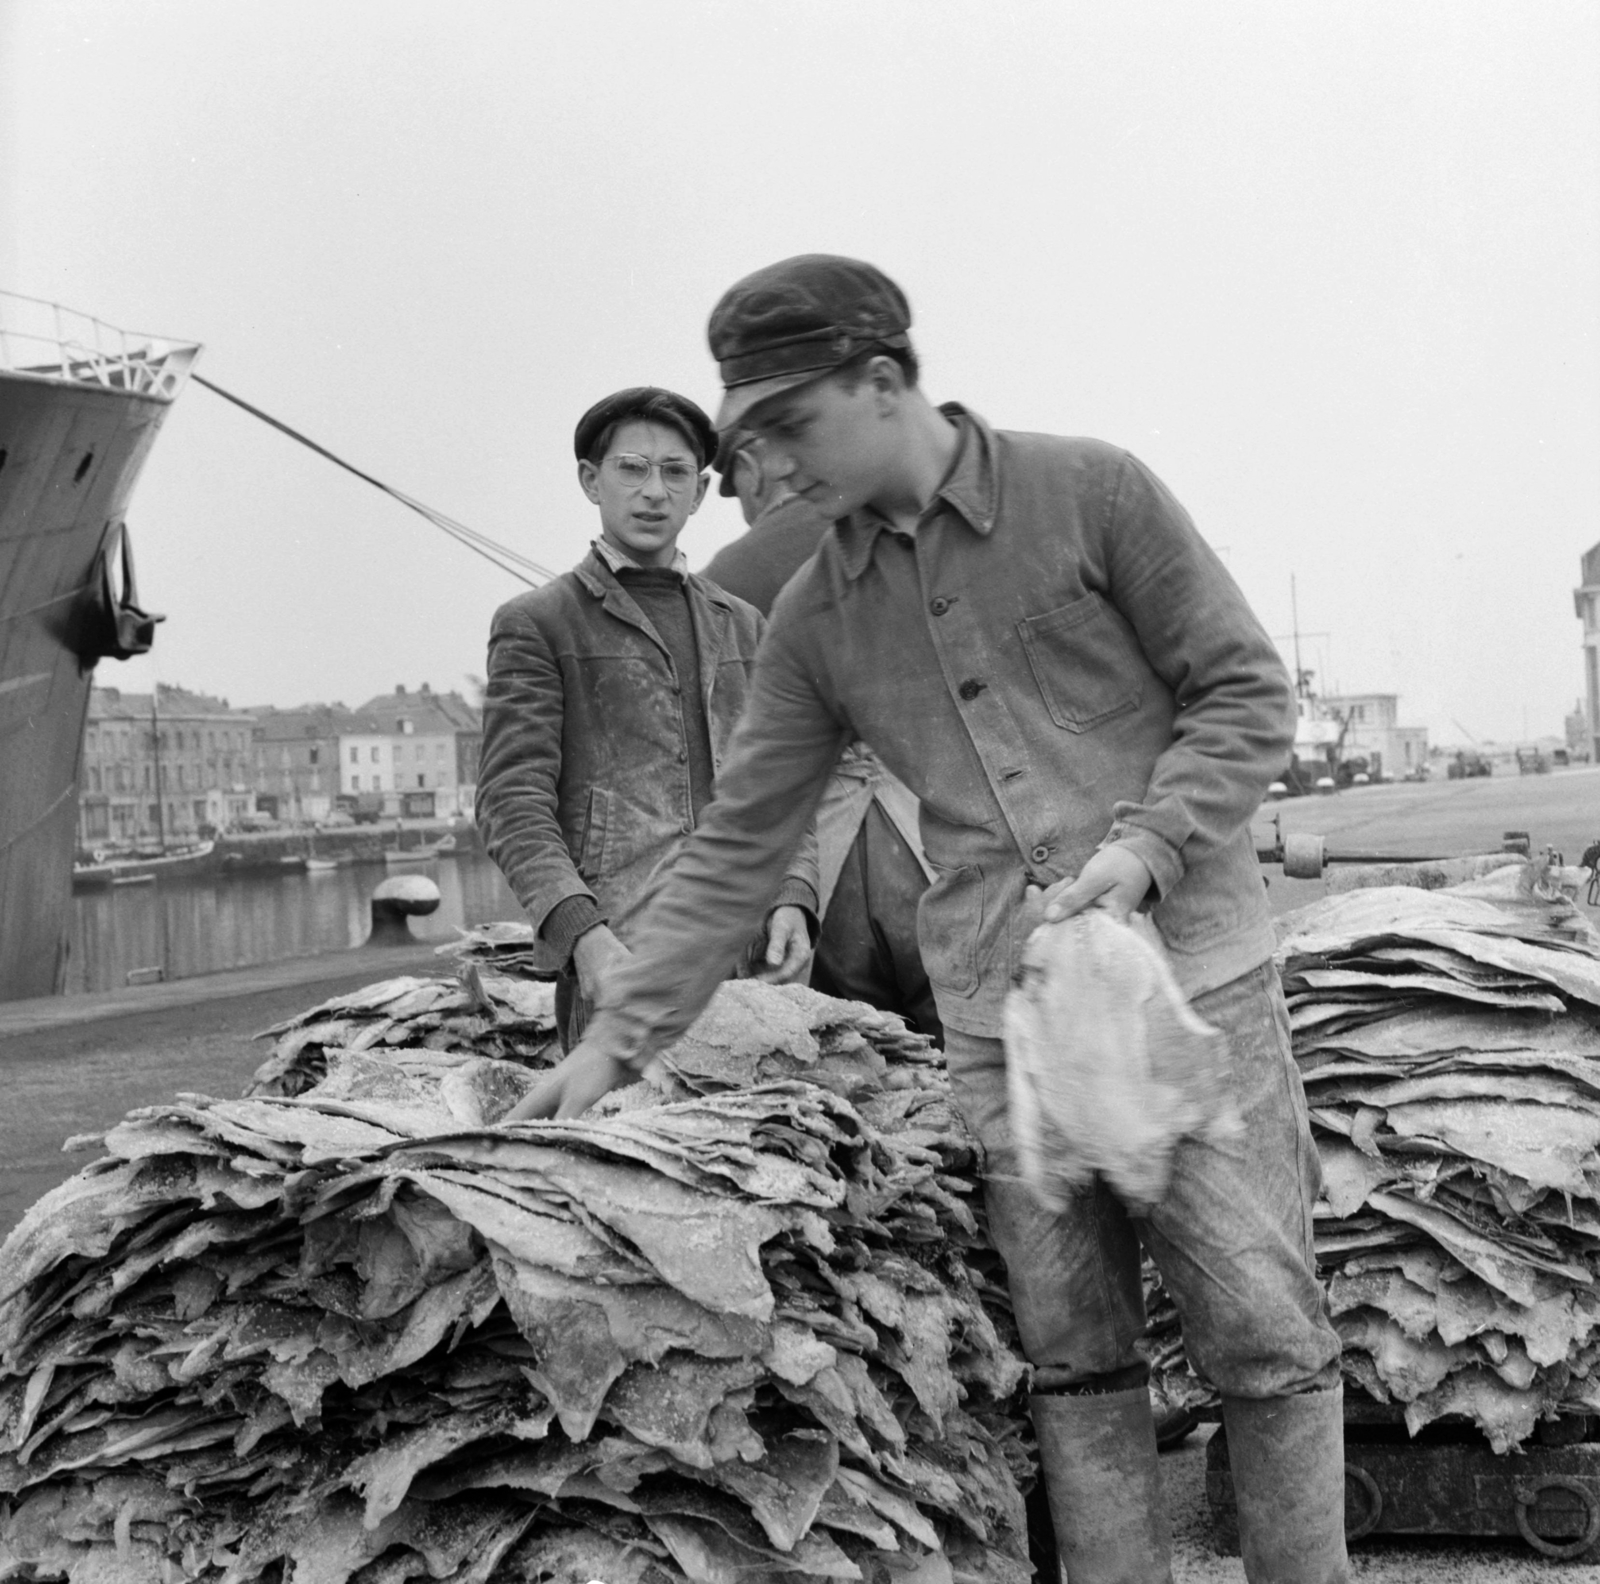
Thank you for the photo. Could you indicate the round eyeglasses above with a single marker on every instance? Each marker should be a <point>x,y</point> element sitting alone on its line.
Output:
<point>635,470</point>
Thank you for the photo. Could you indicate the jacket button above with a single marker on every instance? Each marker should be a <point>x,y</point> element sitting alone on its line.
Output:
<point>683,755</point>
<point>1039,854</point>
<point>971,688</point>
<point>939,606</point>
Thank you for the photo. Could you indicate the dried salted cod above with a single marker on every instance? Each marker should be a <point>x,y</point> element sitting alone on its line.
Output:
<point>1107,1064</point>
<point>352,1332</point>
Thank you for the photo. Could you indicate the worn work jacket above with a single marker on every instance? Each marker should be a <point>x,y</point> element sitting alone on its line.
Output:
<point>1054,660</point>
<point>583,787</point>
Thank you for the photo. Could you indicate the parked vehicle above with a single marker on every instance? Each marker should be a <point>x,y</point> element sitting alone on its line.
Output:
<point>1467,764</point>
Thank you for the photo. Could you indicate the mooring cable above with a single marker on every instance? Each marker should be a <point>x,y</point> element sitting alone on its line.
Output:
<point>480,544</point>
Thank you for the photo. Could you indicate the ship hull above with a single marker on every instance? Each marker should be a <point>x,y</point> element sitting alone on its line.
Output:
<point>71,456</point>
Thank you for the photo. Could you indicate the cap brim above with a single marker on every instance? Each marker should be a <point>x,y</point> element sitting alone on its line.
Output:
<point>741,398</point>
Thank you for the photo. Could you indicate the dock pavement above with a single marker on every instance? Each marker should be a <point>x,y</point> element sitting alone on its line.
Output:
<point>78,1064</point>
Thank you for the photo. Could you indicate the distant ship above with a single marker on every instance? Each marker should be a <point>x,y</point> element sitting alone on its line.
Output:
<point>80,405</point>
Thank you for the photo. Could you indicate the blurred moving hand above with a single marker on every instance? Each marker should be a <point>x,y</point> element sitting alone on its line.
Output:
<point>587,1073</point>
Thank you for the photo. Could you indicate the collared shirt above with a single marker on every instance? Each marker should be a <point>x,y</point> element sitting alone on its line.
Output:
<point>1055,660</point>
<point>618,559</point>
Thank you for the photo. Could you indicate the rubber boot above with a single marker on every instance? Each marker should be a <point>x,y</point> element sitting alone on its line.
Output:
<point>1287,1456</point>
<point>1097,1459</point>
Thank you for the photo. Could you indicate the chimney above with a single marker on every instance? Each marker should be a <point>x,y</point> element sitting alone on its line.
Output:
<point>400,688</point>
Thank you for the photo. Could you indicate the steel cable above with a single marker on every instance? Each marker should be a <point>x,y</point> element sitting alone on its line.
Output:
<point>491,550</point>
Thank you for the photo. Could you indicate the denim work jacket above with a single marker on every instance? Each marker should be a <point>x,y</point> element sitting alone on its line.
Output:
<point>583,787</point>
<point>1053,661</point>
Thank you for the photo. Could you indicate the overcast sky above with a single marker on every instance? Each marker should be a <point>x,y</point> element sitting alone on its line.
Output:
<point>1333,270</point>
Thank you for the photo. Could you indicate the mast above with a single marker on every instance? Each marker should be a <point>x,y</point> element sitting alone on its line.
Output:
<point>155,744</point>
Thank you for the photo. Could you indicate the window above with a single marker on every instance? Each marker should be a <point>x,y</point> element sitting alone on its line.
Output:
<point>422,780</point>
<point>377,783</point>
<point>438,750</point>
<point>374,755</point>
<point>355,756</point>
<point>94,779</point>
<point>355,783</point>
<point>311,755</point>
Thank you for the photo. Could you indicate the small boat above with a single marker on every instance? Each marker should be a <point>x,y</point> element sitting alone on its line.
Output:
<point>136,868</point>
<point>322,865</point>
<point>423,852</point>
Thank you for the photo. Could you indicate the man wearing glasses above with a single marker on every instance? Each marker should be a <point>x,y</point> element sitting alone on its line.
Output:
<point>612,694</point>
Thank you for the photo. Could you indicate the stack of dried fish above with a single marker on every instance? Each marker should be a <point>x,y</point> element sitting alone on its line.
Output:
<point>1450,1046</point>
<point>359,1333</point>
<point>481,1012</point>
<point>504,947</point>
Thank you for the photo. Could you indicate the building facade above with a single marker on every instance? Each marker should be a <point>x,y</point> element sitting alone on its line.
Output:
<point>1586,602</point>
<point>296,760</point>
<point>1372,732</point>
<point>418,750</point>
<point>163,768</point>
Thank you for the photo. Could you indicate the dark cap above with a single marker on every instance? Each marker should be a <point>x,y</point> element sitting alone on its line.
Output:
<point>791,322</point>
<point>647,404</point>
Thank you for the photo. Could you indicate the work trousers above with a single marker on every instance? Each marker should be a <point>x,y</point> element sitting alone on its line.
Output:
<point>1232,1237</point>
<point>868,947</point>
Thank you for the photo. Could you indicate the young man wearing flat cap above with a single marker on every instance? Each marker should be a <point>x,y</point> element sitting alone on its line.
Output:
<point>1031,634</point>
<point>612,695</point>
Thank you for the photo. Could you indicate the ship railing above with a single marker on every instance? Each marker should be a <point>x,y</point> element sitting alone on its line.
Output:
<point>44,340</point>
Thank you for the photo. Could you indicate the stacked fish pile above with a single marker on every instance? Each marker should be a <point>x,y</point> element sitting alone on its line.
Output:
<point>504,947</point>
<point>359,1333</point>
<point>1450,1047</point>
<point>479,1011</point>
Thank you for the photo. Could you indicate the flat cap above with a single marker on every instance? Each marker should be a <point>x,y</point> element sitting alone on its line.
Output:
<point>649,404</point>
<point>791,322</point>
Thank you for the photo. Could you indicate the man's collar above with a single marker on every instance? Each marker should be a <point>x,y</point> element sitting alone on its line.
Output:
<point>970,489</point>
<point>618,559</point>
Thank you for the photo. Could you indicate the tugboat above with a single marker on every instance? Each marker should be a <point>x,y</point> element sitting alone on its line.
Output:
<point>80,406</point>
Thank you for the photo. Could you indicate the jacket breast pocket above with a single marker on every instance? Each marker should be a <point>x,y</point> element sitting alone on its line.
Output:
<point>949,922</point>
<point>596,826</point>
<point>1085,664</point>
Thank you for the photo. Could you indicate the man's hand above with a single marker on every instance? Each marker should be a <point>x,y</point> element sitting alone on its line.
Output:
<point>1116,878</point>
<point>788,945</point>
<point>573,1085</point>
<point>596,956</point>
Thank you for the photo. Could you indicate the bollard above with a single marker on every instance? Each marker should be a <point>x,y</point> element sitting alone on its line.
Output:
<point>396,900</point>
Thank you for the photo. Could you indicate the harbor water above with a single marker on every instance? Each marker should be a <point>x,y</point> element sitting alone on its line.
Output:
<point>188,927</point>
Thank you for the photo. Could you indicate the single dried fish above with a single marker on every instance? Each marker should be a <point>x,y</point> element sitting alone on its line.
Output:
<point>1107,1064</point>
